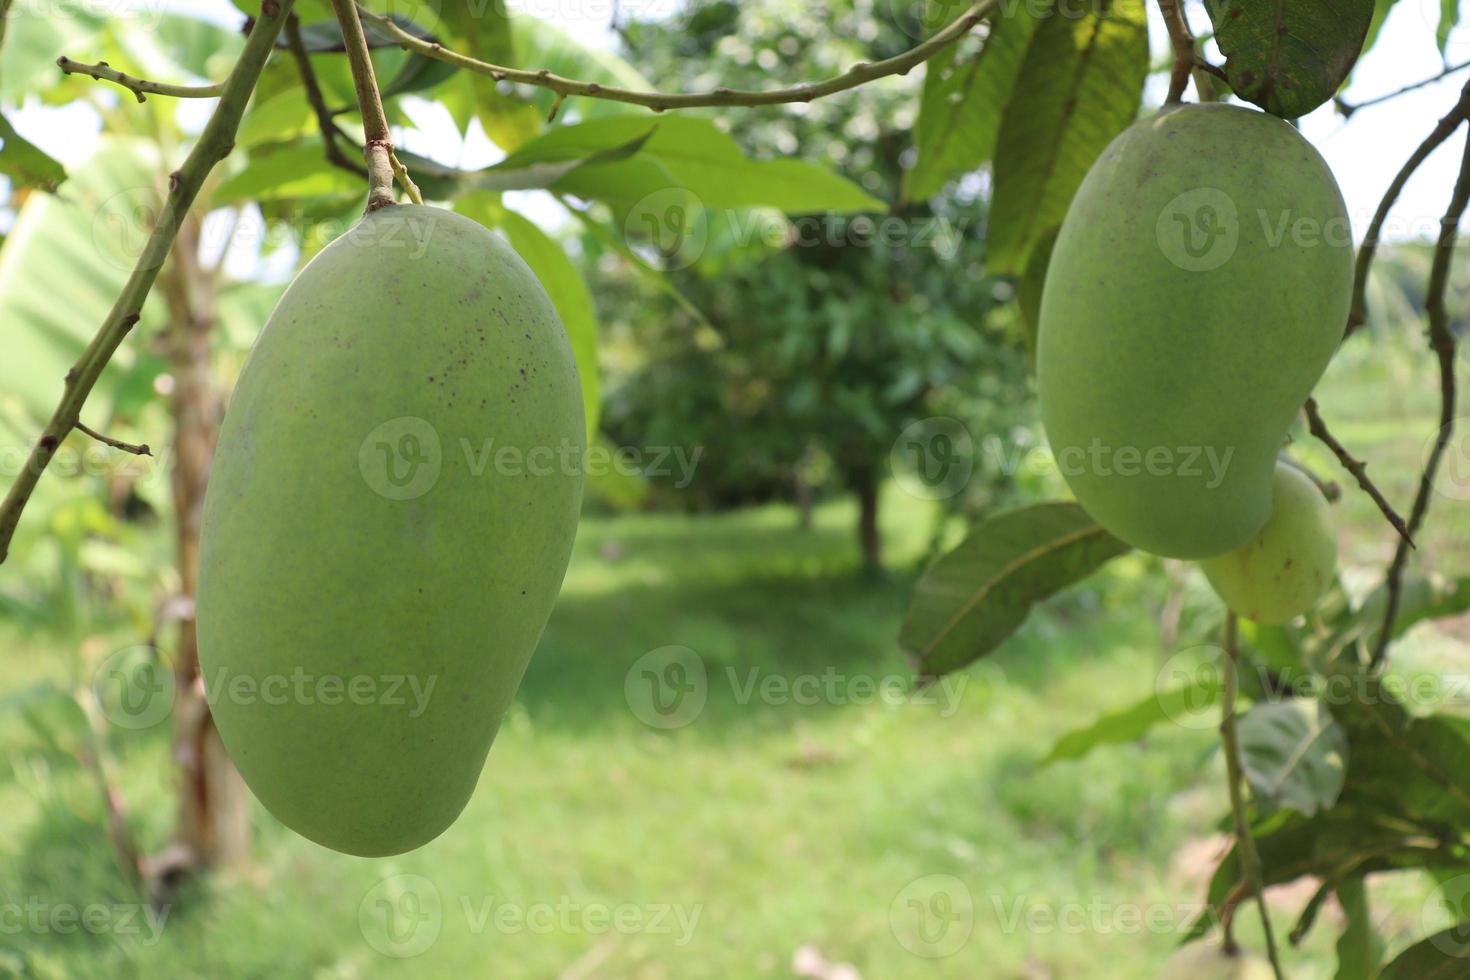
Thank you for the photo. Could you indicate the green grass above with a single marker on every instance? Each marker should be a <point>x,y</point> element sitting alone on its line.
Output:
<point>763,826</point>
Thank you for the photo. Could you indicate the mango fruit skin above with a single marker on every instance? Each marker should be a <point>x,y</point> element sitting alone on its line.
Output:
<point>1281,572</point>
<point>1199,285</point>
<point>360,529</point>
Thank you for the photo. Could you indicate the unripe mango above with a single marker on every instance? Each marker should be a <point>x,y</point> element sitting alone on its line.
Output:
<point>1282,571</point>
<point>1199,285</point>
<point>390,515</point>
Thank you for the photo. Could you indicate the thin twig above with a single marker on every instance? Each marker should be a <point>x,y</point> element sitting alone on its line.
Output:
<point>213,145</point>
<point>137,449</point>
<point>860,74</point>
<point>1358,312</point>
<point>317,101</point>
<point>1358,469</point>
<point>378,141</point>
<point>1348,108</point>
<point>1182,40</point>
<point>1442,342</point>
<point>140,87</point>
<point>1246,854</point>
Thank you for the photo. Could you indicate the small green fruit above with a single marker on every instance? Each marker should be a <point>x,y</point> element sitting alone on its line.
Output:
<point>1199,285</point>
<point>1201,961</point>
<point>1281,572</point>
<point>391,511</point>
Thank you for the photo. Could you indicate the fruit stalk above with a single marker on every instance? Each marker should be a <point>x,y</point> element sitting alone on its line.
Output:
<point>214,144</point>
<point>1247,857</point>
<point>378,143</point>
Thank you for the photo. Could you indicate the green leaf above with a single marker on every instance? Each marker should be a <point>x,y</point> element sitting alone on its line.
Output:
<point>1449,17</point>
<point>971,599</point>
<point>299,170</point>
<point>1030,285</point>
<point>25,163</point>
<point>1359,947</point>
<point>1079,86</point>
<point>1289,56</point>
<point>1293,754</point>
<point>966,88</point>
<point>1380,14</point>
<point>485,32</point>
<point>64,263</point>
<point>1415,768</point>
<point>543,46</point>
<point>1443,956</point>
<point>1132,723</point>
<point>563,283</point>
<point>693,154</point>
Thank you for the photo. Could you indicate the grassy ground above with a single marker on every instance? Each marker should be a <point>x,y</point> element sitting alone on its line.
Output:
<point>792,817</point>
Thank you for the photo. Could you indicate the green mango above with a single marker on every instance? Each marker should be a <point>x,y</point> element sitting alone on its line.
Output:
<point>391,511</point>
<point>1199,285</point>
<point>1283,570</point>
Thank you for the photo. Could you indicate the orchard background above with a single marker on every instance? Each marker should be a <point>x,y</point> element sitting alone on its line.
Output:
<point>805,334</point>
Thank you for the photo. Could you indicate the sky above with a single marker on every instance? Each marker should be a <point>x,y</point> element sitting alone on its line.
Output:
<point>1364,151</point>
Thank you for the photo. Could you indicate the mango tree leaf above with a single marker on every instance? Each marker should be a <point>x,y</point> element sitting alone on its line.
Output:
<point>966,88</point>
<point>25,163</point>
<point>1449,17</point>
<point>1132,723</point>
<point>1289,56</point>
<point>1443,956</point>
<point>541,45</point>
<point>693,154</point>
<point>1293,754</point>
<point>64,263</point>
<point>1079,86</point>
<point>485,32</point>
<point>1030,284</point>
<point>971,599</point>
<point>1334,844</point>
<point>563,283</point>
<point>1415,768</point>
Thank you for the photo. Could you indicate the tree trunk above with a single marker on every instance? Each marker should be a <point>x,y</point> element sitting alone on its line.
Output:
<point>865,483</point>
<point>214,814</point>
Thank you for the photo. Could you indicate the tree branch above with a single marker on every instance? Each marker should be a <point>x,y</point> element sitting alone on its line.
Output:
<point>1247,857</point>
<point>141,87</point>
<point>214,144</point>
<point>378,141</point>
<point>137,449</point>
<point>318,102</point>
<point>1359,470</point>
<point>1182,40</point>
<point>1442,342</point>
<point>860,74</point>
<point>1358,313</point>
<point>1348,108</point>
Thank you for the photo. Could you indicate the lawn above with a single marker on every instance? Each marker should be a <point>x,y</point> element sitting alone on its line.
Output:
<point>806,812</point>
